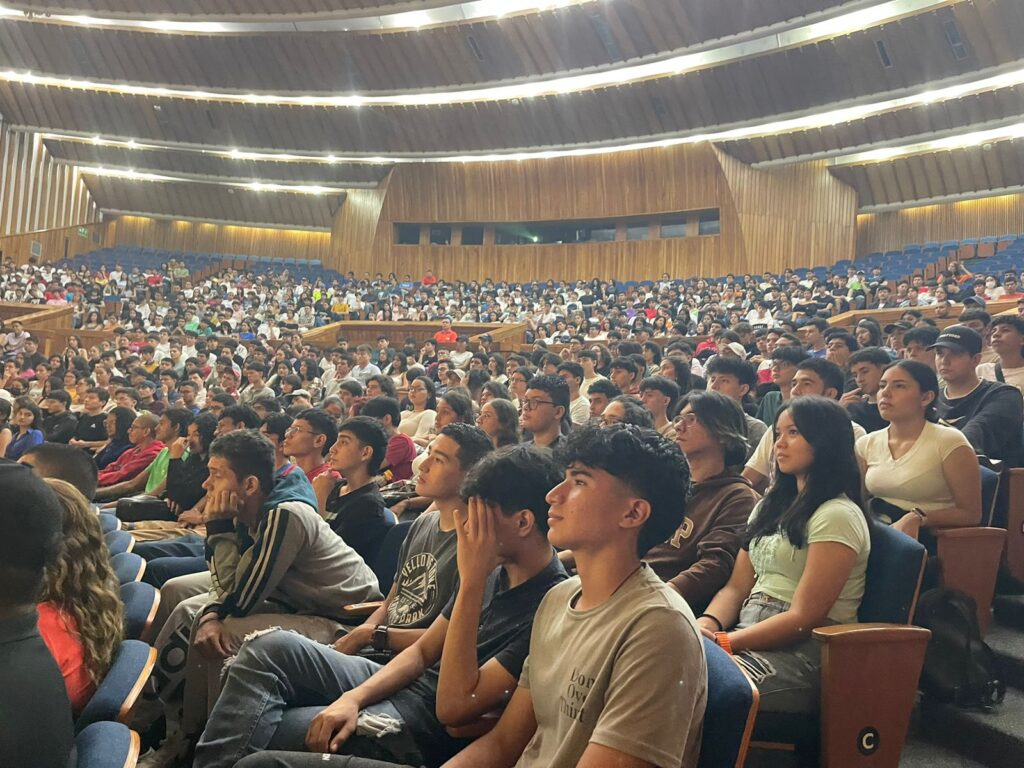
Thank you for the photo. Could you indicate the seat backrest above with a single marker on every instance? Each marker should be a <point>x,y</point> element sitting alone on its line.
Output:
<point>989,492</point>
<point>895,566</point>
<point>730,713</point>
<point>119,541</point>
<point>140,603</point>
<point>128,567</point>
<point>121,686</point>
<point>386,562</point>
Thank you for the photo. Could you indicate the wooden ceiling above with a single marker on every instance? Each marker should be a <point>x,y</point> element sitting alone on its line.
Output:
<point>915,52</point>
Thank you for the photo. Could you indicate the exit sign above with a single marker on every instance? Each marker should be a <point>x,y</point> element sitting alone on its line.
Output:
<point>83,232</point>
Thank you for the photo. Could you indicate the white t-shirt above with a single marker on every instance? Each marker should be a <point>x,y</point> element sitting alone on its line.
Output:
<point>1012,376</point>
<point>579,410</point>
<point>585,386</point>
<point>915,479</point>
<point>416,424</point>
<point>763,459</point>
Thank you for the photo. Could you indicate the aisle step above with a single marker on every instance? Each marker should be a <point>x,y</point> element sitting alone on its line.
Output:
<point>996,739</point>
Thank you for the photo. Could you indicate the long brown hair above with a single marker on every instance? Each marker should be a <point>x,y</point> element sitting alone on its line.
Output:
<point>82,582</point>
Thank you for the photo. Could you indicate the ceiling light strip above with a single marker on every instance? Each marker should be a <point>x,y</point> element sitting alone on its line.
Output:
<point>982,194</point>
<point>221,222</point>
<point>256,24</point>
<point>944,144</point>
<point>938,92</point>
<point>772,39</point>
<point>252,185</point>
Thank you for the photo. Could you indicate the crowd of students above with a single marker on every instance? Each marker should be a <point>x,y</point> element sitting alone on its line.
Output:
<point>580,520</point>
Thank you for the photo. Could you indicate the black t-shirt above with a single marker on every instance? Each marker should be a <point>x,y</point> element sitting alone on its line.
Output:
<point>91,427</point>
<point>358,517</point>
<point>35,714</point>
<point>991,418</point>
<point>506,621</point>
<point>866,414</point>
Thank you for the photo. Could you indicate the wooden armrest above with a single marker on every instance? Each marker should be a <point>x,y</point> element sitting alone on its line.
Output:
<point>362,609</point>
<point>869,676</point>
<point>970,563</point>
<point>1015,523</point>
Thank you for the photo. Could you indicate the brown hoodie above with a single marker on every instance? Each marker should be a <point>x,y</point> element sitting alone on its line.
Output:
<point>699,557</point>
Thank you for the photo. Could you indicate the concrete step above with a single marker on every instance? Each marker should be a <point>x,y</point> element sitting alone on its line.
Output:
<point>1008,645</point>
<point>995,739</point>
<point>1008,610</point>
<point>918,753</point>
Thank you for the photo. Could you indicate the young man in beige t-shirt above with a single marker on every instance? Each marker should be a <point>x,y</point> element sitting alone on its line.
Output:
<point>616,673</point>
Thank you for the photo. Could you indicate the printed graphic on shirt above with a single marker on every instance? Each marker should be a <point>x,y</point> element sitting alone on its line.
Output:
<point>572,703</point>
<point>417,590</point>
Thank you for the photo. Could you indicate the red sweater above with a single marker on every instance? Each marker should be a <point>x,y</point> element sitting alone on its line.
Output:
<point>129,464</point>
<point>60,633</point>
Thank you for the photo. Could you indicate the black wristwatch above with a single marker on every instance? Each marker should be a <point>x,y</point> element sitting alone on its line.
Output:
<point>380,638</point>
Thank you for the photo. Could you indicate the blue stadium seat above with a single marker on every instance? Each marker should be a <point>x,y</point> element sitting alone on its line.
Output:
<point>107,745</point>
<point>141,601</point>
<point>120,687</point>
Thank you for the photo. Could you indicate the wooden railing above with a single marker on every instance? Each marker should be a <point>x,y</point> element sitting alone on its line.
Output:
<point>884,316</point>
<point>505,336</point>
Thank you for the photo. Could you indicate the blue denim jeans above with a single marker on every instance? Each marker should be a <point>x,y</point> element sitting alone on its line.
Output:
<point>788,679</point>
<point>275,687</point>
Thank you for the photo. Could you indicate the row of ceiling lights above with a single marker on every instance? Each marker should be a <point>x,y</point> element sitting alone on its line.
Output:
<point>780,37</point>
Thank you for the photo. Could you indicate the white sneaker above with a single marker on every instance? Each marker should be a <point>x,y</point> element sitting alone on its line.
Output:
<point>174,748</point>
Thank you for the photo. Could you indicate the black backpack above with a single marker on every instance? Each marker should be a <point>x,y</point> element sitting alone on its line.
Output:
<point>959,667</point>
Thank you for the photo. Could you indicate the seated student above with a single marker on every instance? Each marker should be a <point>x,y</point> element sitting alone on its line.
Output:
<point>500,420</point>
<point>309,439</point>
<point>136,459</point>
<point>659,396</point>
<point>25,427</point>
<point>480,640</point>
<point>866,366</point>
<point>118,425</point>
<point>626,409</point>
<point>926,470</point>
<point>545,408</point>
<point>625,374</point>
<point>80,613</point>
<point>172,425</point>
<point>699,557</point>
<point>917,345</point>
<point>579,406</point>
<point>401,448</point>
<point>814,376</point>
<point>600,393</point>
<point>782,369</point>
<point>234,417</point>
<point>616,672</point>
<point>34,709</point>
<point>279,566</point>
<point>1008,343</point>
<point>736,378</point>
<point>990,414</point>
<point>426,574</point>
<point>355,508</point>
<point>804,559</point>
<point>59,423</point>
<point>91,430</point>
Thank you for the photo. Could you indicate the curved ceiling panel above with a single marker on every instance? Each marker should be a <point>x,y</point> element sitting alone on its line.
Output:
<point>382,19</point>
<point>119,76</point>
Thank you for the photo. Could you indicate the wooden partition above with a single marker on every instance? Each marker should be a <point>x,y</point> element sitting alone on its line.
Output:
<point>506,337</point>
<point>880,232</point>
<point>179,235</point>
<point>884,316</point>
<point>54,244</point>
<point>768,219</point>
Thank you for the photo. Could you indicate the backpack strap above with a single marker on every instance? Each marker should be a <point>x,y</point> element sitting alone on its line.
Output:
<point>999,373</point>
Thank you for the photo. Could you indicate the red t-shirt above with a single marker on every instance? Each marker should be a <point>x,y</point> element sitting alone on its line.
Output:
<point>446,337</point>
<point>60,633</point>
<point>324,468</point>
<point>401,452</point>
<point>430,279</point>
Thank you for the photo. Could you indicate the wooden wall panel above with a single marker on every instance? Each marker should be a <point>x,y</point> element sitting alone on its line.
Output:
<point>948,221</point>
<point>355,229</point>
<point>797,216</point>
<point>35,192</point>
<point>52,243</point>
<point>177,235</point>
<point>768,219</point>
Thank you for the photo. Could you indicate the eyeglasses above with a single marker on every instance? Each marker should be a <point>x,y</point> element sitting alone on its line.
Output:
<point>293,430</point>
<point>687,419</point>
<point>533,403</point>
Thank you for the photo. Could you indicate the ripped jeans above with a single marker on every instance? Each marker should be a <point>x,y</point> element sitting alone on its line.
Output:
<point>789,679</point>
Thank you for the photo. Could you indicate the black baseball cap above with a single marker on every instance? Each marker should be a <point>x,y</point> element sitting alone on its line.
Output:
<point>959,338</point>
<point>899,325</point>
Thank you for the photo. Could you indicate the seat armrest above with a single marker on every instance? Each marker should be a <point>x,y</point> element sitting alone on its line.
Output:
<point>970,563</point>
<point>869,677</point>
<point>362,609</point>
